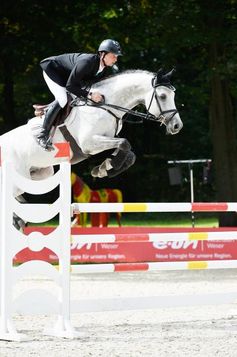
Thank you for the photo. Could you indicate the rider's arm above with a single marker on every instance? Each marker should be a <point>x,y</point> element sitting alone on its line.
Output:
<point>80,71</point>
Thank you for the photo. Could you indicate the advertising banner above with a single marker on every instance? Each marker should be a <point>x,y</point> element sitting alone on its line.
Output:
<point>162,251</point>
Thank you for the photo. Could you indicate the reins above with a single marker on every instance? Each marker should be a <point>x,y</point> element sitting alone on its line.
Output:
<point>105,107</point>
<point>162,119</point>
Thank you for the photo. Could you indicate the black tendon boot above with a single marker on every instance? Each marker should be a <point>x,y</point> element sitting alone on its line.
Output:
<point>43,137</point>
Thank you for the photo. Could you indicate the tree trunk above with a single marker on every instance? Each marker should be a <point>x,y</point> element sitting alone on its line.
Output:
<point>223,131</point>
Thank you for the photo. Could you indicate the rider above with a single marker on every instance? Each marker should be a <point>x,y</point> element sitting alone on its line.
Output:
<point>72,73</point>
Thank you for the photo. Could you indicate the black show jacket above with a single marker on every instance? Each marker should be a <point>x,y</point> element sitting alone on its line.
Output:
<point>74,71</point>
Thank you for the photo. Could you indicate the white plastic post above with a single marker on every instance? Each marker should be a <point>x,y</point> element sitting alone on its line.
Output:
<point>63,327</point>
<point>7,329</point>
<point>13,241</point>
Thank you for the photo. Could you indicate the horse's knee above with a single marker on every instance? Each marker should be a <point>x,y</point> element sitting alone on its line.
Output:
<point>124,145</point>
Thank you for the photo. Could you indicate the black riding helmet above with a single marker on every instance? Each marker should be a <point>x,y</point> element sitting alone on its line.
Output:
<point>110,46</point>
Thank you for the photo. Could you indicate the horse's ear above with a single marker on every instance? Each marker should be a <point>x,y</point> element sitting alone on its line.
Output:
<point>163,78</point>
<point>159,73</point>
<point>158,76</point>
<point>168,75</point>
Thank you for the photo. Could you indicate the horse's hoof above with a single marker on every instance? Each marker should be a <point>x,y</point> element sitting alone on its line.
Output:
<point>94,171</point>
<point>97,172</point>
<point>101,171</point>
<point>18,223</point>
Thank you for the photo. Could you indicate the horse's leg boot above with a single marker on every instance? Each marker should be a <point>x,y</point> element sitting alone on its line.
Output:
<point>43,138</point>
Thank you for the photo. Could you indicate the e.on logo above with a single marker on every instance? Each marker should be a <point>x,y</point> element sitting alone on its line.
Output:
<point>176,244</point>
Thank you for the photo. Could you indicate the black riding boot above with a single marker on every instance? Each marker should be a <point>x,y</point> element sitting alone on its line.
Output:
<point>43,137</point>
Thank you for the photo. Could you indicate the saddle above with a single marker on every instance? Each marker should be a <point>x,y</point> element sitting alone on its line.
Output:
<point>41,109</point>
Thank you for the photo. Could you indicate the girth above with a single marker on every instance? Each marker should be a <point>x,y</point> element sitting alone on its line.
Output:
<point>78,155</point>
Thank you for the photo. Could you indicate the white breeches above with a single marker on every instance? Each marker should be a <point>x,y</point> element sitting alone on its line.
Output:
<point>59,92</point>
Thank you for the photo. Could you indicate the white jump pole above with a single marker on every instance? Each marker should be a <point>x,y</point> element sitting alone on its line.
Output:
<point>155,207</point>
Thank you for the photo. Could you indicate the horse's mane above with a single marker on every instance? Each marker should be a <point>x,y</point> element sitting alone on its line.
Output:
<point>128,71</point>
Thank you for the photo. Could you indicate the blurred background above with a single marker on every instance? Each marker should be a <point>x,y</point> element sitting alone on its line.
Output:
<point>198,38</point>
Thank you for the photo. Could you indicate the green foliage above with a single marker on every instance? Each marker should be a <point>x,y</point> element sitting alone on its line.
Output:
<point>153,34</point>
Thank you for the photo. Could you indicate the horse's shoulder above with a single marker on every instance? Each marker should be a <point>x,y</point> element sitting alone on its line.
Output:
<point>34,121</point>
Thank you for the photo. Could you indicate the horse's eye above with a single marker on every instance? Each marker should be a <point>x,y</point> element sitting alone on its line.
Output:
<point>163,96</point>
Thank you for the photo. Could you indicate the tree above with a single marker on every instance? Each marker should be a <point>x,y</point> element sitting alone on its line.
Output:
<point>195,36</point>
<point>221,25</point>
<point>202,37</point>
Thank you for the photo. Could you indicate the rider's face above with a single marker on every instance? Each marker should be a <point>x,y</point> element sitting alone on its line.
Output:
<point>110,59</point>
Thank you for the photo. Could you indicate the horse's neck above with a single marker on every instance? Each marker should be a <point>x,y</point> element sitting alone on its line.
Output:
<point>128,89</point>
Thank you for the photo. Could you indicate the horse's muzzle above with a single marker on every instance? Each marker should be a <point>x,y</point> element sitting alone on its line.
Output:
<point>174,126</point>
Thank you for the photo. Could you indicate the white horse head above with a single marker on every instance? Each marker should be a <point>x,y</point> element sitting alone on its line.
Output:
<point>160,102</point>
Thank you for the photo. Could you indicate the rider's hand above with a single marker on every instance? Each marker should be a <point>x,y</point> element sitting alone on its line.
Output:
<point>96,97</point>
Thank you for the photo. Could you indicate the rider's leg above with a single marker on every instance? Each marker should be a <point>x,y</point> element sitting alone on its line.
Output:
<point>43,137</point>
<point>60,95</point>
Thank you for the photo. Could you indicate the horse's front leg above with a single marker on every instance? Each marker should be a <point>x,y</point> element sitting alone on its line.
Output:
<point>100,143</point>
<point>121,146</point>
<point>116,164</point>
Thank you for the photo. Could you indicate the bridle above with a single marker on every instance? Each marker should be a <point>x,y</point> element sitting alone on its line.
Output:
<point>162,118</point>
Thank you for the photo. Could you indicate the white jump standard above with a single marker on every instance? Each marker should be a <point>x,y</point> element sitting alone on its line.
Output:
<point>13,241</point>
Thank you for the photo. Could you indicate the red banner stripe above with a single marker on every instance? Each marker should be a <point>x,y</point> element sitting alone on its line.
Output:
<point>131,267</point>
<point>119,238</point>
<point>215,206</point>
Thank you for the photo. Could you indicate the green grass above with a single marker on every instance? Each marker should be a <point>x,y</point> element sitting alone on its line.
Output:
<point>160,220</point>
<point>171,220</point>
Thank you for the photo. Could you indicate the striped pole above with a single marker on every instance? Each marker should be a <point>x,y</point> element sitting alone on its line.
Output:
<point>153,237</point>
<point>155,207</point>
<point>152,266</point>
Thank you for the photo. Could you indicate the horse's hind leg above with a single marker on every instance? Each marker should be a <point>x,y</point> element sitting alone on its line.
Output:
<point>35,174</point>
<point>41,173</point>
<point>18,222</point>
